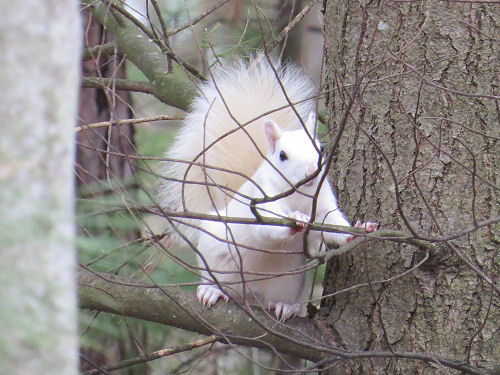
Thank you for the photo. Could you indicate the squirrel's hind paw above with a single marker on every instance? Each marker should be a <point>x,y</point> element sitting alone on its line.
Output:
<point>283,311</point>
<point>209,294</point>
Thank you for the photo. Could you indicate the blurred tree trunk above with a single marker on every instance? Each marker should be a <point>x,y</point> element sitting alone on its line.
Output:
<point>40,46</point>
<point>94,163</point>
<point>432,120</point>
<point>286,11</point>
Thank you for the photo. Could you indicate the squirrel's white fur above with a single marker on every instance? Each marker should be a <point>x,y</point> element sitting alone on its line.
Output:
<point>263,264</point>
<point>257,264</point>
<point>248,90</point>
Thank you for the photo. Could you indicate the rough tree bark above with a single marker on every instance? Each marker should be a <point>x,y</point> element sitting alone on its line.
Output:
<point>428,112</point>
<point>40,73</point>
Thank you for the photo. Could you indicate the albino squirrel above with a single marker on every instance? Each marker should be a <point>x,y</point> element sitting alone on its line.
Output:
<point>242,140</point>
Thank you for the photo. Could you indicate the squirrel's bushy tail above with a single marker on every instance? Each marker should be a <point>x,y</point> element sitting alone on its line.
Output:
<point>220,142</point>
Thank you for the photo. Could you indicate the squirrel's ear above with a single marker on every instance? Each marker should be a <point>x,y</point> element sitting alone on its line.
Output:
<point>273,133</point>
<point>311,123</point>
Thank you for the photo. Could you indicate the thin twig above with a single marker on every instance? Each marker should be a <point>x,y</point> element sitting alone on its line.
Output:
<point>155,355</point>
<point>127,122</point>
<point>292,24</point>
<point>194,21</point>
<point>119,83</point>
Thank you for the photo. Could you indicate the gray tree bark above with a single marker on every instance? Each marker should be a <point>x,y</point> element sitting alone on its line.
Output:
<point>40,44</point>
<point>419,153</point>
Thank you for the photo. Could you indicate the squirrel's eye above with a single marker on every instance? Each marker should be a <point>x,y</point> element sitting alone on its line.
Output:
<point>283,156</point>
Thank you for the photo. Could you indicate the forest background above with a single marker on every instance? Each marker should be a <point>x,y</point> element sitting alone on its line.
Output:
<point>409,105</point>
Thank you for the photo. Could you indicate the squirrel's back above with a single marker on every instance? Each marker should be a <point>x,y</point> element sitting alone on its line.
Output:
<point>211,154</point>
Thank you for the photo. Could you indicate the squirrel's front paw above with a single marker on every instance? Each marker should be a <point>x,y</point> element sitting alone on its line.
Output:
<point>209,294</point>
<point>283,311</point>
<point>369,227</point>
<point>300,220</point>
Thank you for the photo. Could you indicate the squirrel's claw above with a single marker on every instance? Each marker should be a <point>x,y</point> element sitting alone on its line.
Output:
<point>283,311</point>
<point>209,294</point>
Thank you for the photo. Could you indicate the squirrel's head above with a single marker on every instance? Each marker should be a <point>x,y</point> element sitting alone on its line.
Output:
<point>294,153</point>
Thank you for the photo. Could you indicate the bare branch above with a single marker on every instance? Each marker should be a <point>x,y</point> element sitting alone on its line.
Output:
<point>155,355</point>
<point>173,89</point>
<point>126,122</point>
<point>106,49</point>
<point>294,22</point>
<point>300,337</point>
<point>118,84</point>
<point>194,21</point>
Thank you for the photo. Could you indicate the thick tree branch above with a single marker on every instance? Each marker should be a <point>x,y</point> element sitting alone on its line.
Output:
<point>175,88</point>
<point>174,307</point>
<point>106,49</point>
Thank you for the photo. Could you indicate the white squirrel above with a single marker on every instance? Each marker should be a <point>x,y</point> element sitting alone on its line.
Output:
<point>218,163</point>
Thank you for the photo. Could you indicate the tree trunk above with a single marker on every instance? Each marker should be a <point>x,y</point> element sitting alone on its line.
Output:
<point>419,153</point>
<point>40,76</point>
<point>102,153</point>
<point>94,162</point>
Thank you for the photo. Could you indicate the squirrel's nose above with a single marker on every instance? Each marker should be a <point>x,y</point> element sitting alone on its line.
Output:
<point>310,170</point>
